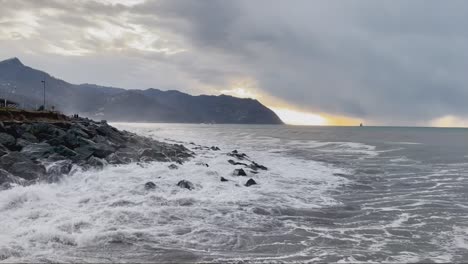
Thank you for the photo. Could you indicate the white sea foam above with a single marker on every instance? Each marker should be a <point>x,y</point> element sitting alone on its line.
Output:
<point>94,208</point>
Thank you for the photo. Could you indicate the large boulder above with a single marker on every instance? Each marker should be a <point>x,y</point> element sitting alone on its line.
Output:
<point>6,161</point>
<point>96,162</point>
<point>3,150</point>
<point>38,150</point>
<point>29,137</point>
<point>103,150</point>
<point>28,170</point>
<point>65,152</point>
<point>7,178</point>
<point>7,141</point>
<point>150,154</point>
<point>57,169</point>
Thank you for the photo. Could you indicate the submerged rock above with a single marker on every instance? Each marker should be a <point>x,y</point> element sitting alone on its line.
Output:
<point>236,154</point>
<point>202,164</point>
<point>232,162</point>
<point>250,182</point>
<point>150,185</point>
<point>239,172</point>
<point>256,166</point>
<point>186,184</point>
<point>173,167</point>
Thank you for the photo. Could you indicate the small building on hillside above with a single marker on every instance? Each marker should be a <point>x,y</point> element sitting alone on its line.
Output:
<point>7,103</point>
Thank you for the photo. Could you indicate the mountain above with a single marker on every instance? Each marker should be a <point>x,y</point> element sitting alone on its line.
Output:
<point>22,84</point>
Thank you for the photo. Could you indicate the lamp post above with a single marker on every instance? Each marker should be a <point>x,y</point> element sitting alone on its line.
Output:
<point>43,105</point>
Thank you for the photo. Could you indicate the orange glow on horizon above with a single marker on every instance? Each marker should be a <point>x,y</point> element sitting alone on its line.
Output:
<point>301,118</point>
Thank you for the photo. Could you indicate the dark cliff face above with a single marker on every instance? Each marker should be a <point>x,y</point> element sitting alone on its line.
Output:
<point>23,85</point>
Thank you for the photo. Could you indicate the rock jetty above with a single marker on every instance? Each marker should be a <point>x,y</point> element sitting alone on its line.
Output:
<point>43,151</point>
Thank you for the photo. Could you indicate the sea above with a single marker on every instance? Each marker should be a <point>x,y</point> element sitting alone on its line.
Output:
<point>330,194</point>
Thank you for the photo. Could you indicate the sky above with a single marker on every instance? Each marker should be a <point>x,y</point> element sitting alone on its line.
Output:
<point>318,62</point>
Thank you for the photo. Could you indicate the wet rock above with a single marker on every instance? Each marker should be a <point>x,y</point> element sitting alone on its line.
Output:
<point>149,154</point>
<point>214,148</point>
<point>58,168</point>
<point>202,164</point>
<point>7,141</point>
<point>96,162</point>
<point>65,152</point>
<point>256,166</point>
<point>27,170</point>
<point>6,179</point>
<point>250,182</point>
<point>236,154</point>
<point>232,162</point>
<point>150,185</point>
<point>186,184</point>
<point>173,167</point>
<point>6,161</point>
<point>102,150</point>
<point>120,158</point>
<point>3,150</point>
<point>224,179</point>
<point>239,172</point>
<point>38,150</point>
<point>84,152</point>
<point>22,143</point>
<point>29,137</point>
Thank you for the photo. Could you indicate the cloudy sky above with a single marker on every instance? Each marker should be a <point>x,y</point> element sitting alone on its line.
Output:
<point>390,62</point>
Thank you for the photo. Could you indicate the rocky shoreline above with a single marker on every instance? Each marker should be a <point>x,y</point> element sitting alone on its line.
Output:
<point>31,152</point>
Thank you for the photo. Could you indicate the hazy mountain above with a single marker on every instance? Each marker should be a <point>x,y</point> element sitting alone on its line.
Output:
<point>23,85</point>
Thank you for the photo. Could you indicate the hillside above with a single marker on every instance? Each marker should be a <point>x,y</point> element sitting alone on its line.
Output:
<point>23,84</point>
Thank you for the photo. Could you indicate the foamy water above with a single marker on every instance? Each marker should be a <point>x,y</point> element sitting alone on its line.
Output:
<point>320,200</point>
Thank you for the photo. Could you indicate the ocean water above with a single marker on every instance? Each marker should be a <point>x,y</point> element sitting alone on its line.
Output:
<point>331,194</point>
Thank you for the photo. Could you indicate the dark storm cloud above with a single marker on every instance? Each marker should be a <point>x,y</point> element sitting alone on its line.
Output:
<point>402,61</point>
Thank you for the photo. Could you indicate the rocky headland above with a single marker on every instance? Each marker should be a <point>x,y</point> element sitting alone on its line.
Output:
<point>32,151</point>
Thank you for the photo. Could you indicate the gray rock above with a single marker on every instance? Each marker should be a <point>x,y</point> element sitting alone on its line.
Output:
<point>8,178</point>
<point>61,167</point>
<point>239,172</point>
<point>250,182</point>
<point>6,161</point>
<point>7,141</point>
<point>27,170</point>
<point>232,162</point>
<point>224,179</point>
<point>149,154</point>
<point>29,137</point>
<point>65,152</point>
<point>96,162</point>
<point>3,150</point>
<point>173,167</point>
<point>150,185</point>
<point>255,166</point>
<point>186,184</point>
<point>38,150</point>
<point>102,150</point>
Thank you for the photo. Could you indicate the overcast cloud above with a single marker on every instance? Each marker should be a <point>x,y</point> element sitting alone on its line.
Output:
<point>387,62</point>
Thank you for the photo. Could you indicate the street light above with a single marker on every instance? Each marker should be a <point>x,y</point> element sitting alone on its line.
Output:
<point>43,105</point>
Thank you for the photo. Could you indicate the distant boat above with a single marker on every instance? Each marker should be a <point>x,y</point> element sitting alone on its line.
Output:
<point>360,125</point>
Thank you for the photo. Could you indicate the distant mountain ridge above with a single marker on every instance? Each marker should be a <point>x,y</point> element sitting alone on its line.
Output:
<point>22,84</point>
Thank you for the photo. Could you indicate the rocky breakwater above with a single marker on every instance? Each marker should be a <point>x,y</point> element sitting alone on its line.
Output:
<point>44,151</point>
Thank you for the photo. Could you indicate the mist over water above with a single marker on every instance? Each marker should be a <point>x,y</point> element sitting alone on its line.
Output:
<point>330,194</point>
